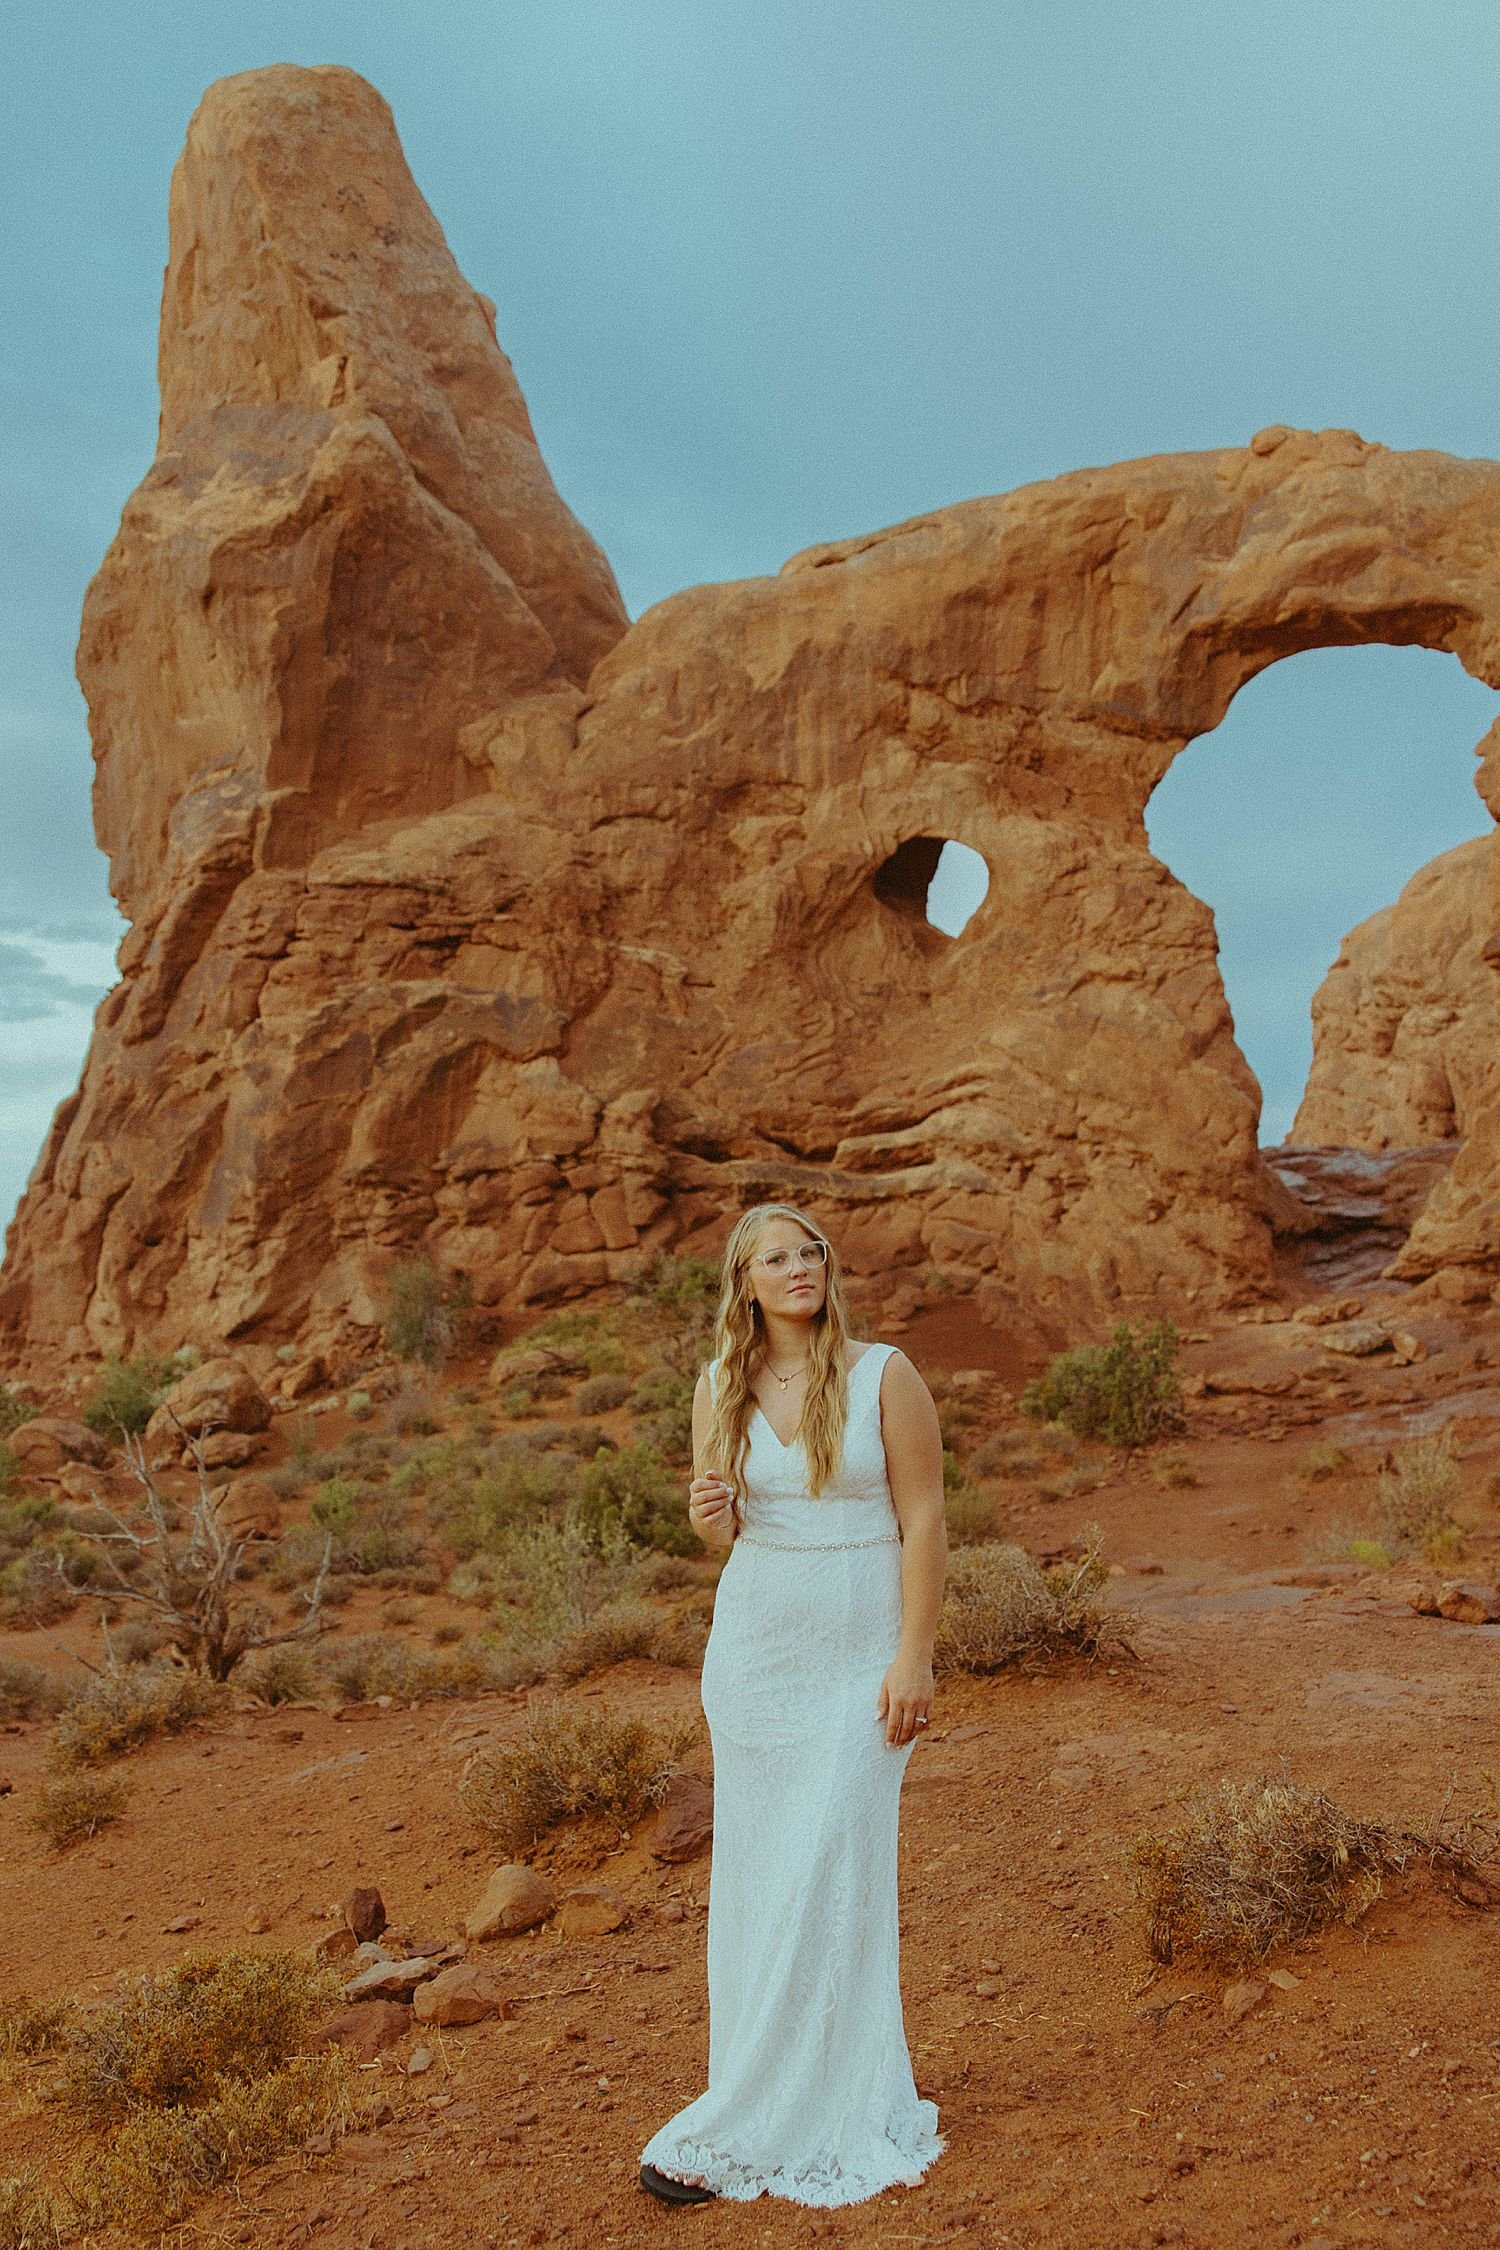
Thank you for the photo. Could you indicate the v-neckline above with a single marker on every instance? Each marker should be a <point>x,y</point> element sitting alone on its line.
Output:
<point>789,1445</point>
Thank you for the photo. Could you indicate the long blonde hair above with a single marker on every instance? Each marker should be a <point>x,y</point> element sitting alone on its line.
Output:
<point>739,1335</point>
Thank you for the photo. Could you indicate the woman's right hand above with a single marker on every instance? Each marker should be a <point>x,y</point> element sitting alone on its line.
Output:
<point>711,1510</point>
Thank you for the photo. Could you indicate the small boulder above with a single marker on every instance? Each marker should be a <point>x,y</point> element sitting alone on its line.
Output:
<point>1356,1339</point>
<point>515,1898</point>
<point>390,1980</point>
<point>222,1394</point>
<point>362,1910</point>
<point>365,2028</point>
<point>685,1823</point>
<point>334,1945</point>
<point>467,1993</point>
<point>1467,1602</point>
<point>45,1444</point>
<point>592,1910</point>
<point>227,1449</point>
<point>252,1508</point>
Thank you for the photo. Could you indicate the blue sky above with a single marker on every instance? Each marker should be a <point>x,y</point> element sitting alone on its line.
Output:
<point>772,273</point>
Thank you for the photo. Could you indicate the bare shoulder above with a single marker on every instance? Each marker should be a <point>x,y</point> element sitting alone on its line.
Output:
<point>900,1383</point>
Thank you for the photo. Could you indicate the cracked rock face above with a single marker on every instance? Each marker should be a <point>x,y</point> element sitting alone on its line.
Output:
<point>468,918</point>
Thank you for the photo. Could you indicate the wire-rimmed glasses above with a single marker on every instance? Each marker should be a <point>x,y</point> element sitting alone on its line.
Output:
<point>779,1261</point>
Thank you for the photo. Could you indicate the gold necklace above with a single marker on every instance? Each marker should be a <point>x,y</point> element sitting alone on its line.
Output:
<point>786,1381</point>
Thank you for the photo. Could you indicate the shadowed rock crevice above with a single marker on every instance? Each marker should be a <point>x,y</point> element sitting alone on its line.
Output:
<point>539,943</point>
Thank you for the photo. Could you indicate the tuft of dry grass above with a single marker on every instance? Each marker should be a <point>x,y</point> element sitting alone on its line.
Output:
<point>1415,1496</point>
<point>627,1628</point>
<point>375,1664</point>
<point>30,2027</point>
<point>118,1711</point>
<point>75,1806</point>
<point>1002,1608</point>
<point>1263,1863</point>
<point>28,2220</point>
<point>280,1675</point>
<point>183,2035</point>
<point>1175,1473</point>
<point>563,1764</point>
<point>160,2161</point>
<point>1321,1461</point>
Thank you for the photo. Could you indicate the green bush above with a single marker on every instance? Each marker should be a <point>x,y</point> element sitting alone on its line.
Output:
<point>1125,1391</point>
<point>969,1509</point>
<point>635,1493</point>
<point>127,1393</point>
<point>423,1310</point>
<point>509,1491</point>
<point>22,1523</point>
<point>592,1338</point>
<point>665,1397</point>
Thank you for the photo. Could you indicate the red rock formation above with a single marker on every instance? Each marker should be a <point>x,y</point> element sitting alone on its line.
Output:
<point>1406,1024</point>
<point>465,919</point>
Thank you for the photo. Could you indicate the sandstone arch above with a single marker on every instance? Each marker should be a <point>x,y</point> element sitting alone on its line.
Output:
<point>463,916</point>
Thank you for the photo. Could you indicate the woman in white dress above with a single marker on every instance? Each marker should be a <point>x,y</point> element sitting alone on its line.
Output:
<point>818,1462</point>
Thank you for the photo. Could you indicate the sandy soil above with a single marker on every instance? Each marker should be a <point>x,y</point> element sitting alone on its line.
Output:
<point>1087,2100</point>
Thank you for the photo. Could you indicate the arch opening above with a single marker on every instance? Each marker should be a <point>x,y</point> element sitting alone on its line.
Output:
<point>1327,821</point>
<point>935,881</point>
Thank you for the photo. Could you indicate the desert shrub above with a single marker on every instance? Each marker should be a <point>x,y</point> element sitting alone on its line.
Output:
<point>970,1510</point>
<point>280,1675</point>
<point>565,1763</point>
<point>28,2220</point>
<point>115,1712</point>
<point>586,1439</point>
<point>664,1396</point>
<point>1072,1482</point>
<point>159,2161</point>
<point>375,1664</point>
<point>73,1806</point>
<point>362,1534</point>
<point>626,1628</point>
<point>410,1411</point>
<point>556,1577</point>
<point>30,2027</point>
<point>1022,1453</point>
<point>1176,1473</point>
<point>1343,1541</point>
<point>593,1339</point>
<point>33,1589</point>
<point>445,1634</point>
<point>140,1640</point>
<point>10,1467</point>
<point>1322,1460</point>
<point>126,1394</point>
<point>360,1406</point>
<point>174,2037</point>
<point>1124,1391</point>
<point>635,1493</point>
<point>14,1409</point>
<point>1414,1499</point>
<point>1260,1864</point>
<point>511,1490</point>
<point>1001,1608</point>
<point>422,1310</point>
<point>29,1691</point>
<point>601,1394</point>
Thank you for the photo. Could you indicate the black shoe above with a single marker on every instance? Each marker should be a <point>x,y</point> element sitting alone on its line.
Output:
<point>668,2190</point>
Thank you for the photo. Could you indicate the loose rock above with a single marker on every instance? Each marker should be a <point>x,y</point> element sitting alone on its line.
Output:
<point>365,2028</point>
<point>1467,1602</point>
<point>363,1912</point>
<point>467,1993</point>
<point>515,1898</point>
<point>592,1910</point>
<point>685,1823</point>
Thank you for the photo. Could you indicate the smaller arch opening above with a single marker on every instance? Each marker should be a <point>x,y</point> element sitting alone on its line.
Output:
<point>935,881</point>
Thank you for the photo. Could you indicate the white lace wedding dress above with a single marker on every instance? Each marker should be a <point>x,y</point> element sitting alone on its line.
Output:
<point>810,2090</point>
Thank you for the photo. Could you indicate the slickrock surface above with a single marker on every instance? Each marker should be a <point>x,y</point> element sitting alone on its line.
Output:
<point>466,920</point>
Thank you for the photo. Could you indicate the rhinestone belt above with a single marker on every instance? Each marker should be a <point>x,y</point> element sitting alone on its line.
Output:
<point>816,1546</point>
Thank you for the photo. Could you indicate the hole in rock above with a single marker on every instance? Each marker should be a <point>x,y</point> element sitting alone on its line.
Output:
<point>934,880</point>
<point>1336,775</point>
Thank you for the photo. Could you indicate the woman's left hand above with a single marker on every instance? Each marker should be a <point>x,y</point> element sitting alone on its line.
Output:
<point>905,1701</point>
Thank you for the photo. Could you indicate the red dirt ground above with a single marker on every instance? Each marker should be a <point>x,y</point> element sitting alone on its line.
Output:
<point>1088,2102</point>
